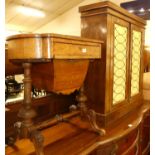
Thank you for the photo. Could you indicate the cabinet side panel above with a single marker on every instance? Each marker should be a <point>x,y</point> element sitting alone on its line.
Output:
<point>95,27</point>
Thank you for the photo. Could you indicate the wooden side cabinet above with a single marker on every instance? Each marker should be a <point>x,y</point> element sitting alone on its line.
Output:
<point>114,83</point>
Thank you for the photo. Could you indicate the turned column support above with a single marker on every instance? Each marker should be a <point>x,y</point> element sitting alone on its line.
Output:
<point>26,128</point>
<point>88,114</point>
<point>26,112</point>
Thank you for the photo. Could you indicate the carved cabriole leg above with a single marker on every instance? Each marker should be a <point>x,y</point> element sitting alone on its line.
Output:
<point>86,113</point>
<point>27,113</point>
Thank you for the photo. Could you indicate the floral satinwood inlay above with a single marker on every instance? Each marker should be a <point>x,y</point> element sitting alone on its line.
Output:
<point>136,49</point>
<point>120,53</point>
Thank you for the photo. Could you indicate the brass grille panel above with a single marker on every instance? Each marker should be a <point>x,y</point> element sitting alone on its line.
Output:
<point>120,52</point>
<point>136,48</point>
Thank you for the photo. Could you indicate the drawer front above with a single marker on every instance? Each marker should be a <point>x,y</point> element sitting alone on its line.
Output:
<point>145,137</point>
<point>75,51</point>
<point>127,145</point>
<point>133,151</point>
<point>107,149</point>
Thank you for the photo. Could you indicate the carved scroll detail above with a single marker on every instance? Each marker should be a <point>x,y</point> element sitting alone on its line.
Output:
<point>88,114</point>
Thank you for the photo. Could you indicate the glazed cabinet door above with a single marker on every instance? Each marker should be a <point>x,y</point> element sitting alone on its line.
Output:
<point>136,70</point>
<point>119,61</point>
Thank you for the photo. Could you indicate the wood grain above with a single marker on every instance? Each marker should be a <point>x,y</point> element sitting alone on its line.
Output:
<point>10,68</point>
<point>64,59</point>
<point>109,6</point>
<point>97,22</point>
<point>75,137</point>
<point>60,76</point>
<point>46,108</point>
<point>49,46</point>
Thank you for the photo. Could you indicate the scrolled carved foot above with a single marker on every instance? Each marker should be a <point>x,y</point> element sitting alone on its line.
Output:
<point>38,140</point>
<point>88,114</point>
<point>91,114</point>
<point>11,141</point>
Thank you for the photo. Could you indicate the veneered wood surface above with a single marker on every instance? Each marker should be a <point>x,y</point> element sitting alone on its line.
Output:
<point>111,8</point>
<point>10,68</point>
<point>63,59</point>
<point>75,136</point>
<point>52,46</point>
<point>97,22</point>
<point>146,59</point>
<point>59,76</point>
<point>46,107</point>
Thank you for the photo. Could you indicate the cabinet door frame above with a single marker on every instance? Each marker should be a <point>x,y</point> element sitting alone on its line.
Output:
<point>116,20</point>
<point>138,96</point>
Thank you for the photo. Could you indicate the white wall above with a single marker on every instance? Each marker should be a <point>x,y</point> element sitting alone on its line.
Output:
<point>69,22</point>
<point>9,33</point>
<point>147,33</point>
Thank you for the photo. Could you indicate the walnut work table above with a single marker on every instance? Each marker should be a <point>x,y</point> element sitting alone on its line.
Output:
<point>55,63</point>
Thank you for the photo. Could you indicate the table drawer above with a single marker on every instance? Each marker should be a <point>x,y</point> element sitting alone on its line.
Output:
<point>75,51</point>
